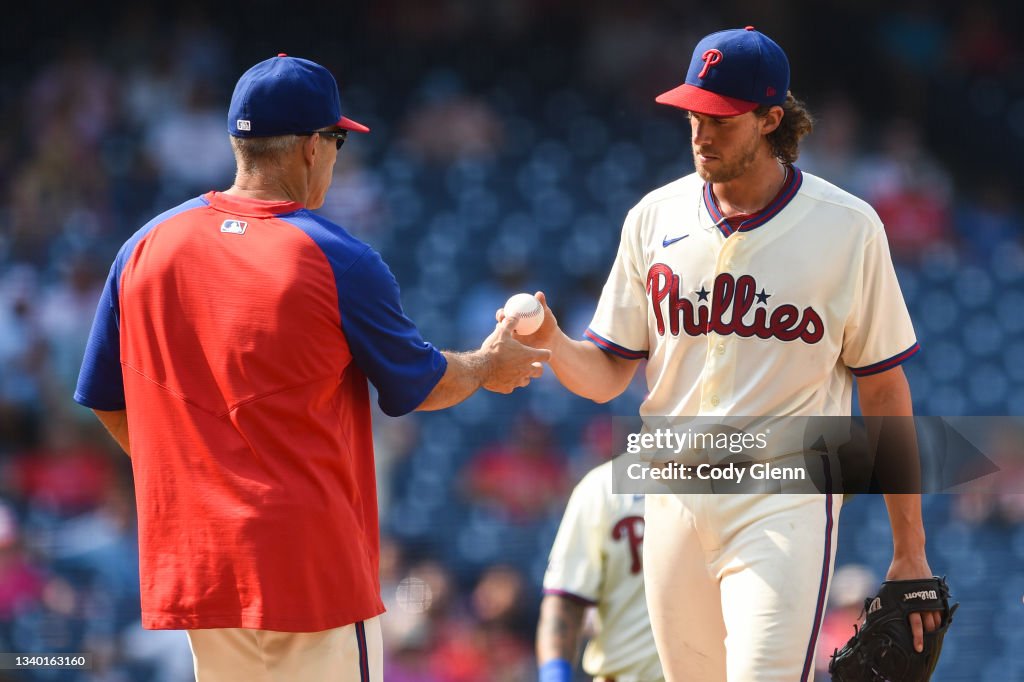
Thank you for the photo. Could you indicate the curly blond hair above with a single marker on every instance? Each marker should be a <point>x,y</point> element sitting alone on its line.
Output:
<point>796,122</point>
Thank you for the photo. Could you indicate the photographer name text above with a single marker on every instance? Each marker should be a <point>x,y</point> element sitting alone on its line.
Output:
<point>673,471</point>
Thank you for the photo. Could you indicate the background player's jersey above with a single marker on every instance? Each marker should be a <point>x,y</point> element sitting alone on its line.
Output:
<point>774,317</point>
<point>597,559</point>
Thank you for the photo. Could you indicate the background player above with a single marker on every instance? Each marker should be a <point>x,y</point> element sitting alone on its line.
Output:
<point>753,289</point>
<point>596,561</point>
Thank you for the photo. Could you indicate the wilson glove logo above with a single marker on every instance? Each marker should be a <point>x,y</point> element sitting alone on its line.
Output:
<point>921,594</point>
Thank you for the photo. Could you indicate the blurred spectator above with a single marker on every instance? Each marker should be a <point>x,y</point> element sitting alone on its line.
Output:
<point>577,312</point>
<point>521,479</point>
<point>56,623</point>
<point>63,476</point>
<point>61,187</point>
<point>407,659</point>
<point>66,311</point>
<point>914,36</point>
<point>981,43</point>
<point>154,89</point>
<point>76,94</point>
<point>488,648</point>
<point>21,583</point>
<point>101,544</point>
<point>22,357</point>
<point>851,585</point>
<point>355,199</point>
<point>998,499</point>
<point>475,317</point>
<point>413,613</point>
<point>910,192</point>
<point>157,655</point>
<point>430,589</point>
<point>915,44</point>
<point>54,200</point>
<point>407,630</point>
<point>190,147</point>
<point>597,445</point>
<point>419,22</point>
<point>443,647</point>
<point>628,52</point>
<point>915,218</point>
<point>499,601</point>
<point>199,47</point>
<point>459,654</point>
<point>988,218</point>
<point>835,150</point>
<point>393,443</point>
<point>451,125</point>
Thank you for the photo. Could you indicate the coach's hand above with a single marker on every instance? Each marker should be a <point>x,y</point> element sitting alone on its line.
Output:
<point>545,334</point>
<point>508,364</point>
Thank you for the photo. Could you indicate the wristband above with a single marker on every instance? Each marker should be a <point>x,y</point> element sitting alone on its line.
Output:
<point>556,670</point>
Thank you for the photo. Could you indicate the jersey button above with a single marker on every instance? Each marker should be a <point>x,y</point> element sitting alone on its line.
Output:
<point>721,349</point>
<point>714,401</point>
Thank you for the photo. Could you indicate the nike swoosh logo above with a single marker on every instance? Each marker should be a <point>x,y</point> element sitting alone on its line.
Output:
<point>668,242</point>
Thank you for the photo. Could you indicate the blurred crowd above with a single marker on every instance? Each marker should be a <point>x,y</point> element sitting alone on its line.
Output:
<point>509,140</point>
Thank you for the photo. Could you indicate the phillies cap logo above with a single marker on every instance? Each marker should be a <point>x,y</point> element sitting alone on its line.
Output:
<point>710,57</point>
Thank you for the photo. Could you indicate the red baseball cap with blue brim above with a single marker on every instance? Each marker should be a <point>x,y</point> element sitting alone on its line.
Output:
<point>284,95</point>
<point>732,72</point>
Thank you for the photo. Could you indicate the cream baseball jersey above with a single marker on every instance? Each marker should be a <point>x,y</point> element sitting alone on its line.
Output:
<point>597,560</point>
<point>772,316</point>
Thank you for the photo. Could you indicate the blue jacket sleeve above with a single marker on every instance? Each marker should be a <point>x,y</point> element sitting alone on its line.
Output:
<point>385,343</point>
<point>100,382</point>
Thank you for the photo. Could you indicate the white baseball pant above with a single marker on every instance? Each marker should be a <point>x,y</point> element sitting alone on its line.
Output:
<point>353,653</point>
<point>737,584</point>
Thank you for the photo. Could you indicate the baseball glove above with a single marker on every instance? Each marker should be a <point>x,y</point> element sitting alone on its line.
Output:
<point>882,649</point>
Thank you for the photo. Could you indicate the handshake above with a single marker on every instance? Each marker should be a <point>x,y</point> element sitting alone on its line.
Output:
<point>509,358</point>
<point>514,353</point>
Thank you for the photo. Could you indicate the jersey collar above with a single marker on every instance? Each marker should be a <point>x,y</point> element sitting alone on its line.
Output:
<point>755,220</point>
<point>255,208</point>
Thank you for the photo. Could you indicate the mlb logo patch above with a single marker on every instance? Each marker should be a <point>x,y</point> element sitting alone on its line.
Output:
<point>243,124</point>
<point>234,226</point>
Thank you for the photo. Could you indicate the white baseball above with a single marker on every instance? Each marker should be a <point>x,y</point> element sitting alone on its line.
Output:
<point>527,311</point>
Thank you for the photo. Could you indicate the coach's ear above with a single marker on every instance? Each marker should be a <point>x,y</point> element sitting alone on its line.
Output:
<point>771,119</point>
<point>310,149</point>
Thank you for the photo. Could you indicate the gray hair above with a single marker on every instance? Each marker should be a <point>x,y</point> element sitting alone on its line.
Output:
<point>258,154</point>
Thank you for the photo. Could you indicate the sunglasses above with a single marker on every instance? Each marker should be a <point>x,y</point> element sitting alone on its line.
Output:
<point>339,136</point>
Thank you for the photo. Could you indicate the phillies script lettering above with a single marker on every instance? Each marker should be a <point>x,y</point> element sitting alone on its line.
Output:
<point>732,299</point>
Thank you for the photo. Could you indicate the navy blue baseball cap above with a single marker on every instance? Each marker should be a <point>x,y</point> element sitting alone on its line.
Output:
<point>284,95</point>
<point>732,72</point>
